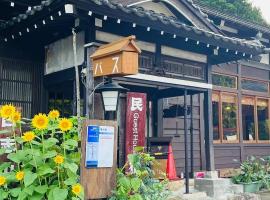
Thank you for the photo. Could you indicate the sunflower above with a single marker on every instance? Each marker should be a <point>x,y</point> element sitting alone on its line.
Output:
<point>54,114</point>
<point>28,136</point>
<point>77,189</point>
<point>16,117</point>
<point>65,124</point>
<point>40,121</point>
<point>58,159</point>
<point>7,111</point>
<point>2,180</point>
<point>20,175</point>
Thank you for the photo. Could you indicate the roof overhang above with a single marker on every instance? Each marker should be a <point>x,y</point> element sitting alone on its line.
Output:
<point>235,48</point>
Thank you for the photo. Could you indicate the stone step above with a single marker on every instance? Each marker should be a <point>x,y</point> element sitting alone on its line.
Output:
<point>191,196</point>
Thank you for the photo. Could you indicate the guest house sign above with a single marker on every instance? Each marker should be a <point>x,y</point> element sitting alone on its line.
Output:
<point>135,121</point>
<point>118,58</point>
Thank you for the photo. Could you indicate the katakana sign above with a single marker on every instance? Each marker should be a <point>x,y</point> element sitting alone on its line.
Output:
<point>118,58</point>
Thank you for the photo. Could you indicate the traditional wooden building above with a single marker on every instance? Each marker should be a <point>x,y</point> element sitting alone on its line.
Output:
<point>189,64</point>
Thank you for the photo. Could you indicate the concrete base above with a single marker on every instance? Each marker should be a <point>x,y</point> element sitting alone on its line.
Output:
<point>213,187</point>
<point>216,187</point>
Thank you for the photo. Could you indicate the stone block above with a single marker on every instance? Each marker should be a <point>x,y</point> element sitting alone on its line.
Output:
<point>213,187</point>
<point>211,174</point>
<point>175,185</point>
<point>245,196</point>
<point>237,188</point>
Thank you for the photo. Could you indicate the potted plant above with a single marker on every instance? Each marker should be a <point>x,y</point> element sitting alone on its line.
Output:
<point>253,175</point>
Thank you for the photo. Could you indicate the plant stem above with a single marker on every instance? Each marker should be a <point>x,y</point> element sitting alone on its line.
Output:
<point>34,161</point>
<point>58,175</point>
<point>64,145</point>
<point>42,138</point>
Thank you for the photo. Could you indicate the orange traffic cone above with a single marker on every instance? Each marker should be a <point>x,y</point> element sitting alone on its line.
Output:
<point>171,170</point>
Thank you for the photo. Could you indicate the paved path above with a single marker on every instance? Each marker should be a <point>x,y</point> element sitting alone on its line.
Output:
<point>265,196</point>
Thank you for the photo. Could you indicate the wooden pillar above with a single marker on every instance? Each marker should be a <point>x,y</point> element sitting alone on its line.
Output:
<point>191,137</point>
<point>90,48</point>
<point>186,143</point>
<point>209,148</point>
<point>239,95</point>
<point>209,145</point>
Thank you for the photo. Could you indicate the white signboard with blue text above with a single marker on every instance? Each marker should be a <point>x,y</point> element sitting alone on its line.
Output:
<point>99,146</point>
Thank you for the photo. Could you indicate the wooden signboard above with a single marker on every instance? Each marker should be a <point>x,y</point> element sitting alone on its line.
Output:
<point>118,58</point>
<point>98,182</point>
<point>135,121</point>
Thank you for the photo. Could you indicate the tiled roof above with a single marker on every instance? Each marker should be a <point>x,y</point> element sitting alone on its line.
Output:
<point>24,16</point>
<point>236,19</point>
<point>186,31</point>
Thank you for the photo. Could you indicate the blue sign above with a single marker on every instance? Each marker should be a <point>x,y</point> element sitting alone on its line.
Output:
<point>99,146</point>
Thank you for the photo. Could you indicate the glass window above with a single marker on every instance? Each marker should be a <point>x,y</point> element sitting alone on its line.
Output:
<point>224,81</point>
<point>215,111</point>
<point>254,85</point>
<point>263,120</point>
<point>229,117</point>
<point>248,119</point>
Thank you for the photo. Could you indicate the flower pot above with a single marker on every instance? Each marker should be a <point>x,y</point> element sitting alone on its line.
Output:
<point>252,187</point>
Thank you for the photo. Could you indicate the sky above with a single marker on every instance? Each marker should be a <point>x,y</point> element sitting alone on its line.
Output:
<point>264,5</point>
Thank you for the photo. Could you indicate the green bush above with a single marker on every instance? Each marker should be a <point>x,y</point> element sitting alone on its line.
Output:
<point>46,159</point>
<point>139,182</point>
<point>252,170</point>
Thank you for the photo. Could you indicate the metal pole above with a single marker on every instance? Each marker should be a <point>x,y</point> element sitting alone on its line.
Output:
<point>186,143</point>
<point>148,125</point>
<point>191,136</point>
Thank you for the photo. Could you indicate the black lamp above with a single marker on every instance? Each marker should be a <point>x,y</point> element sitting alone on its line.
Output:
<point>110,92</point>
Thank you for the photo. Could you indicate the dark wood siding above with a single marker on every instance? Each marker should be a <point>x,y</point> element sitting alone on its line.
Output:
<point>227,156</point>
<point>257,150</point>
<point>174,127</point>
<point>21,85</point>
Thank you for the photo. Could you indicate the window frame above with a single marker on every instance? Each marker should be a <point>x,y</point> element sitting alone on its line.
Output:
<point>221,133</point>
<point>257,128</point>
<point>223,87</point>
<point>255,80</point>
<point>255,119</point>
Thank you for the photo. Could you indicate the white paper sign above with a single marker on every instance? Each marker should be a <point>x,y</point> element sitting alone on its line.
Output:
<point>99,146</point>
<point>6,123</point>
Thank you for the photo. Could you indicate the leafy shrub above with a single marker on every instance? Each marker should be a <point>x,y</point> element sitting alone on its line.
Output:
<point>46,159</point>
<point>252,170</point>
<point>139,182</point>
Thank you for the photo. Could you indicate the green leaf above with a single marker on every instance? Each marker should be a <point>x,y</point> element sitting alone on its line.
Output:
<point>22,196</point>
<point>70,181</point>
<point>135,183</point>
<point>125,182</point>
<point>4,166</point>
<point>41,189</point>
<point>19,140</point>
<point>29,178</point>
<point>3,194</point>
<point>50,142</point>
<point>15,192</point>
<point>14,157</point>
<point>136,197</point>
<point>49,154</point>
<point>5,131</point>
<point>71,144</point>
<point>29,190</point>
<point>72,167</point>
<point>44,170</point>
<point>2,151</point>
<point>138,149</point>
<point>36,197</point>
<point>59,194</point>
